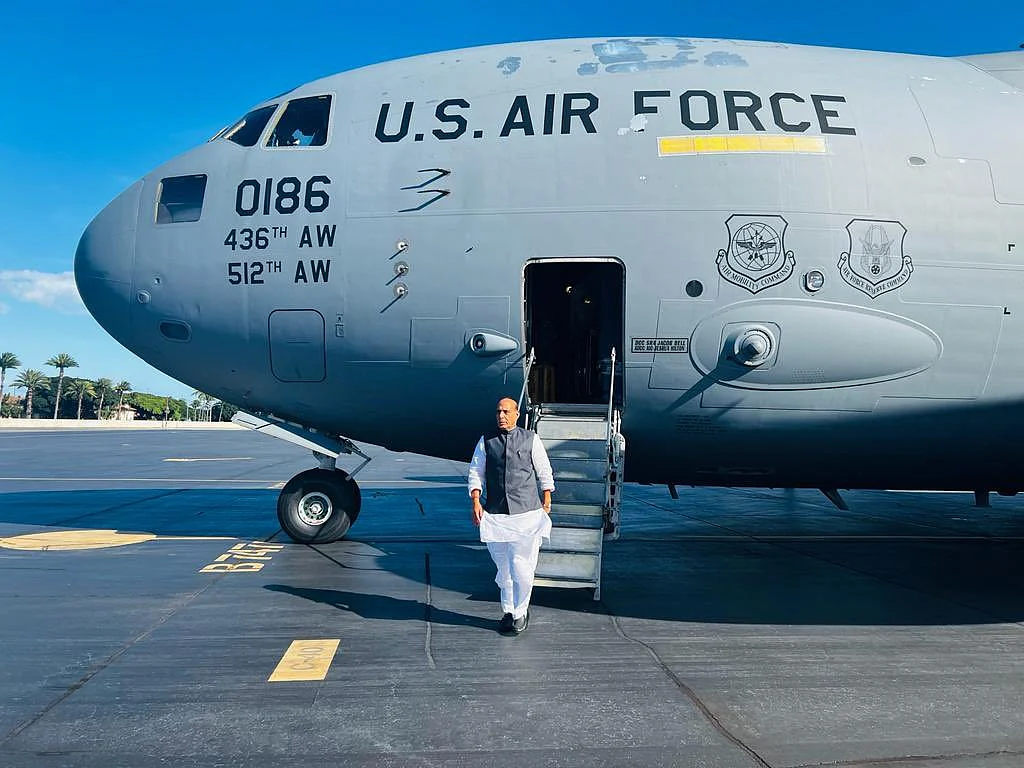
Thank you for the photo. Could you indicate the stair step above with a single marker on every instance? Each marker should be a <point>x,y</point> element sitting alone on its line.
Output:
<point>561,448</point>
<point>580,492</point>
<point>577,515</point>
<point>574,540</point>
<point>540,581</point>
<point>577,521</point>
<point>562,565</point>
<point>593,470</point>
<point>579,409</point>
<point>572,428</point>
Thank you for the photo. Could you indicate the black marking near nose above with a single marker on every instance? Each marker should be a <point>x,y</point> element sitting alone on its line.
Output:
<point>438,194</point>
<point>441,173</point>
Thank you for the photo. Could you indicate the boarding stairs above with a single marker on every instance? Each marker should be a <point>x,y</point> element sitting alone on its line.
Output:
<point>587,450</point>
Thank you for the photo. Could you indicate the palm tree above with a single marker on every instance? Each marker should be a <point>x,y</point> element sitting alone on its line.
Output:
<point>33,381</point>
<point>102,386</point>
<point>7,360</point>
<point>61,362</point>
<point>121,389</point>
<point>79,388</point>
<point>202,405</point>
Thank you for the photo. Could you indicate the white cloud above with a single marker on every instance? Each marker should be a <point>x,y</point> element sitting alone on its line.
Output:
<point>48,289</point>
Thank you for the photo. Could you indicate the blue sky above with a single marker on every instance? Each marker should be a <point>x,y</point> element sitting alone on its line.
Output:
<point>96,94</point>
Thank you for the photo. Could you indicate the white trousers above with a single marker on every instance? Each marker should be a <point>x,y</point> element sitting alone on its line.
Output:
<point>514,543</point>
<point>516,562</point>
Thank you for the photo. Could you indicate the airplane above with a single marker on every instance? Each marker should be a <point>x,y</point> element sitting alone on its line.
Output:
<point>775,265</point>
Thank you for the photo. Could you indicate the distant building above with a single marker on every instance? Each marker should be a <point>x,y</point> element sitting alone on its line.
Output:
<point>124,413</point>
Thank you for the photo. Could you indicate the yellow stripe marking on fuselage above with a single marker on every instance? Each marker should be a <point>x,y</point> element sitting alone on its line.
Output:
<point>669,146</point>
<point>305,660</point>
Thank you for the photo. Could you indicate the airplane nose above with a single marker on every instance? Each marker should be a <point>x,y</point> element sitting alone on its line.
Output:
<point>104,262</point>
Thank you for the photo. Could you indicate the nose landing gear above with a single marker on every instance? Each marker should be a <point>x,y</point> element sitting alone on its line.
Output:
<point>319,505</point>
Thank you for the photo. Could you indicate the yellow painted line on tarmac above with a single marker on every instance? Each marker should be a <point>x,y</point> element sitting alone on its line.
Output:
<point>305,660</point>
<point>63,541</point>
<point>244,557</point>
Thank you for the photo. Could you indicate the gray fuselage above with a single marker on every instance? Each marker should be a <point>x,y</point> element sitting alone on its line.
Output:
<point>822,250</point>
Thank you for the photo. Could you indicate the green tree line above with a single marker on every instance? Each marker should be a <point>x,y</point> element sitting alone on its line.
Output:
<point>63,396</point>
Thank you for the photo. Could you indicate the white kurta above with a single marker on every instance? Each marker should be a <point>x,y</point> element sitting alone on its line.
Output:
<point>514,540</point>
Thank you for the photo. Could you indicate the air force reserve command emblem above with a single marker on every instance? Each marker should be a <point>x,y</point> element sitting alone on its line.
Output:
<point>756,257</point>
<point>875,263</point>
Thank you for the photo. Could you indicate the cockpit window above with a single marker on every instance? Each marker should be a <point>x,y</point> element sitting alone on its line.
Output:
<point>248,130</point>
<point>303,124</point>
<point>180,198</point>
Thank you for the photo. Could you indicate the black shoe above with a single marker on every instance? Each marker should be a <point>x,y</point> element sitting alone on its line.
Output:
<point>519,625</point>
<point>505,625</point>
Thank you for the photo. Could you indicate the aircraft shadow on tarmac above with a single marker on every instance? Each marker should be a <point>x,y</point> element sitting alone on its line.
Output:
<point>888,584</point>
<point>384,607</point>
<point>881,576</point>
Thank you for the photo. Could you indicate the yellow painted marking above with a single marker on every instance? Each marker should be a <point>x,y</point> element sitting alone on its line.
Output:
<point>742,143</point>
<point>710,143</point>
<point>66,540</point>
<point>674,145</point>
<point>777,143</point>
<point>44,541</point>
<point>246,552</point>
<point>305,660</point>
<point>809,144</point>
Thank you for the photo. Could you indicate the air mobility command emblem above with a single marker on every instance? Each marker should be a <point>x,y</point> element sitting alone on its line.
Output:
<point>875,263</point>
<point>756,257</point>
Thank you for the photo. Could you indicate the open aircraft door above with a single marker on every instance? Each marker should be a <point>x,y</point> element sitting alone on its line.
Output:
<point>573,317</point>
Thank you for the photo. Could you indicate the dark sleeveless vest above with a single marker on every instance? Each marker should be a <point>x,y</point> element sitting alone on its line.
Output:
<point>511,478</point>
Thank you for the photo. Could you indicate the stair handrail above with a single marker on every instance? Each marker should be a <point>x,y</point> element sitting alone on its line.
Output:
<point>528,362</point>
<point>611,396</point>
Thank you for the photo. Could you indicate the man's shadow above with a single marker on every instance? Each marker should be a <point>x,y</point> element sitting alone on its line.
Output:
<point>384,607</point>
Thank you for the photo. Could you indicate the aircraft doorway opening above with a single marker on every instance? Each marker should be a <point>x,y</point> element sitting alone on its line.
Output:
<point>574,317</point>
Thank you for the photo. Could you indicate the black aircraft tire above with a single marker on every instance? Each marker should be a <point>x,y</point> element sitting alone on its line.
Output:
<point>318,506</point>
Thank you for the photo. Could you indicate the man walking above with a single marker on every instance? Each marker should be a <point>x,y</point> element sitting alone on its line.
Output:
<point>510,463</point>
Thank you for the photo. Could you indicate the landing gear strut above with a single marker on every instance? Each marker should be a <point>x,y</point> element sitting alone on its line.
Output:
<point>319,505</point>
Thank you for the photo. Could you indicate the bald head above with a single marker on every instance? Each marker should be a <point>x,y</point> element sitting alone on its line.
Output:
<point>508,414</point>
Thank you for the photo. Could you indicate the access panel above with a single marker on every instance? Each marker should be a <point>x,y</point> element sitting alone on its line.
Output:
<point>297,345</point>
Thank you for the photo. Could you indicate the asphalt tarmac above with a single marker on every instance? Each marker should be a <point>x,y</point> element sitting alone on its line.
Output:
<point>149,605</point>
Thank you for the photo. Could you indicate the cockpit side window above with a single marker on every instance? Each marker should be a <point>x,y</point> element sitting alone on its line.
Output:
<point>303,124</point>
<point>248,130</point>
<point>180,199</point>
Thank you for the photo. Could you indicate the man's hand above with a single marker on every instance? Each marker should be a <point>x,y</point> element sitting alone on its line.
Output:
<point>478,512</point>
<point>547,502</point>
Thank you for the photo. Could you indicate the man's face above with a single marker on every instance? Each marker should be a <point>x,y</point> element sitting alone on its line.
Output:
<point>508,413</point>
